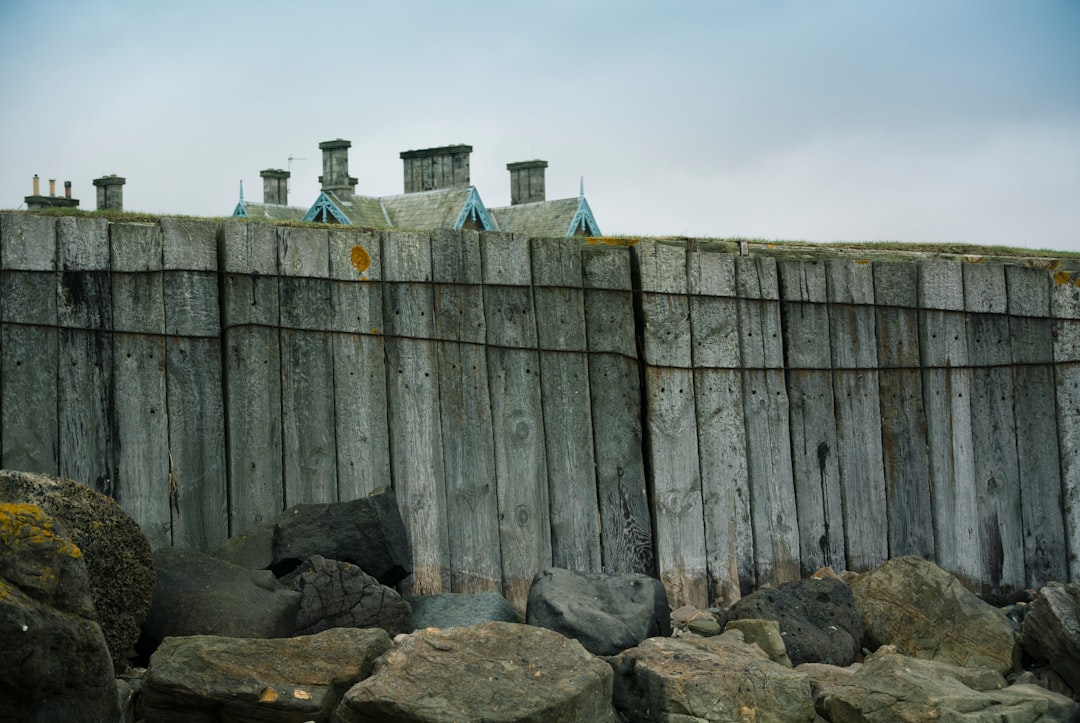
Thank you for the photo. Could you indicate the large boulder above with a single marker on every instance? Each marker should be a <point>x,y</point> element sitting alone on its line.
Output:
<point>54,661</point>
<point>1051,630</point>
<point>118,557</point>
<point>197,594</point>
<point>817,617</point>
<point>927,613</point>
<point>205,678</point>
<point>367,532</point>
<point>719,678</point>
<point>451,609</point>
<point>492,672</point>
<point>341,595</point>
<point>893,688</point>
<point>606,613</point>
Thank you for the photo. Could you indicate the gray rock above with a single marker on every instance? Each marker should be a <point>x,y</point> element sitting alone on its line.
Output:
<point>118,557</point>
<point>1051,630</point>
<point>605,613</point>
<point>927,613</point>
<point>721,678</point>
<point>766,635</point>
<point>449,610</point>
<point>341,595</point>
<point>892,688</point>
<point>54,661</point>
<point>197,594</point>
<point>818,619</point>
<point>492,672</point>
<point>201,679</point>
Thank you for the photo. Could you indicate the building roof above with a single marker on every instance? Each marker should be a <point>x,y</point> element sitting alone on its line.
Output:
<point>268,211</point>
<point>447,208</point>
<point>560,217</point>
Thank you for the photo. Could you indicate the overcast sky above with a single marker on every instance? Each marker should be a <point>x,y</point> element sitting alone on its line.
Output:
<point>909,120</point>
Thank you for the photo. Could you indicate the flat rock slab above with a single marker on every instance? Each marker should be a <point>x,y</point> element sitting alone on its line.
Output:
<point>893,688</point>
<point>492,672</point>
<point>202,678</point>
<point>341,595</point>
<point>927,613</point>
<point>606,613</point>
<point>721,678</point>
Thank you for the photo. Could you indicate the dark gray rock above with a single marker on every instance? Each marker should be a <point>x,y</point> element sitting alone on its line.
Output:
<point>341,595</point>
<point>205,679</point>
<point>605,613</point>
<point>118,558</point>
<point>818,619</point>
<point>54,661</point>
<point>491,672</point>
<point>197,594</point>
<point>449,610</point>
<point>1051,631</point>
<point>720,678</point>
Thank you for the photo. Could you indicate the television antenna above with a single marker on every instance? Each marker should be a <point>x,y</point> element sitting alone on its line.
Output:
<point>288,181</point>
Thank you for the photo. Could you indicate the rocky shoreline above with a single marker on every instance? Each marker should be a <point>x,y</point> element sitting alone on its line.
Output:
<point>299,621</point>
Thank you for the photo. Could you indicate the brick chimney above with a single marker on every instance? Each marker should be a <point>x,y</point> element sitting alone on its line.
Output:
<point>526,181</point>
<point>431,169</point>
<point>335,163</point>
<point>110,192</point>
<point>276,186</point>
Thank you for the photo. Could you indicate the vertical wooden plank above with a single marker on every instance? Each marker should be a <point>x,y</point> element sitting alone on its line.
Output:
<point>141,424</point>
<point>252,373</point>
<point>946,382</point>
<point>517,414</point>
<point>903,430</point>
<point>86,405</point>
<point>859,456</point>
<point>307,367</point>
<point>671,439</point>
<point>412,389</point>
<point>564,378</point>
<point>615,389</point>
<point>29,343</point>
<point>1037,452</point>
<point>198,483</point>
<point>768,441</point>
<point>813,421</point>
<point>466,424</point>
<point>1065,312</point>
<point>993,428</point>
<point>714,323</point>
<point>363,443</point>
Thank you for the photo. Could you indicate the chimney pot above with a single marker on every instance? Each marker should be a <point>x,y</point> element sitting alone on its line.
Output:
<point>67,189</point>
<point>52,186</point>
<point>37,185</point>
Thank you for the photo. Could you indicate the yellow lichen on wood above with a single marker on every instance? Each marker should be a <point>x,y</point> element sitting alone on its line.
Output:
<point>1062,277</point>
<point>612,241</point>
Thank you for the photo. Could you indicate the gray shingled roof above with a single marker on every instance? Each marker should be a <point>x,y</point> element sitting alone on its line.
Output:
<point>273,212</point>
<point>539,219</point>
<point>426,209</point>
<point>363,211</point>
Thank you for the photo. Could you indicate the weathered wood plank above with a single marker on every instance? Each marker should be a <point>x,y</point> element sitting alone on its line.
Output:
<point>813,420</point>
<point>517,414</point>
<point>903,420</point>
<point>141,425</point>
<point>1065,311</point>
<point>363,444</point>
<point>29,343</point>
<point>252,373</point>
<point>564,377</point>
<point>993,425</point>
<point>86,405</point>
<point>472,503</point>
<point>714,323</point>
<point>1037,451</point>
<point>946,381</point>
<point>615,389</point>
<point>412,391</point>
<point>768,441</point>
<point>307,367</point>
<point>671,437</point>
<point>198,481</point>
<point>859,456</point>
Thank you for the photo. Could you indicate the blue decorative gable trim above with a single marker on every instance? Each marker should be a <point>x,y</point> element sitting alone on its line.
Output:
<point>474,209</point>
<point>324,207</point>
<point>584,220</point>
<point>240,211</point>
